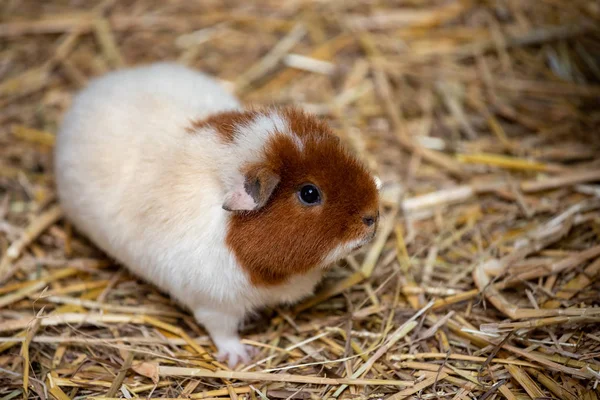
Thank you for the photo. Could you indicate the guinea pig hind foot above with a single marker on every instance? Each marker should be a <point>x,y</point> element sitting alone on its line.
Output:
<point>223,330</point>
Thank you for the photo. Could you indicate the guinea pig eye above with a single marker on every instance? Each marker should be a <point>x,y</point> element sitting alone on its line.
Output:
<point>309,195</point>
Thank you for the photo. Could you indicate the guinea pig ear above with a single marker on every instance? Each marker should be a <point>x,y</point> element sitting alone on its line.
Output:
<point>254,192</point>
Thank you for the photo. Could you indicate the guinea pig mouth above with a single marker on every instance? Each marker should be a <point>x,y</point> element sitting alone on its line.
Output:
<point>363,242</point>
<point>358,246</point>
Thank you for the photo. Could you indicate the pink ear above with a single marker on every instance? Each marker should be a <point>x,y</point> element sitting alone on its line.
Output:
<point>254,193</point>
<point>239,200</point>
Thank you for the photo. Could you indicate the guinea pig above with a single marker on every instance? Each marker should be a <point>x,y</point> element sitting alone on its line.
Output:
<point>227,210</point>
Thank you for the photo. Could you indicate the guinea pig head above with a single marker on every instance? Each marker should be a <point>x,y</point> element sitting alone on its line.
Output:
<point>307,203</point>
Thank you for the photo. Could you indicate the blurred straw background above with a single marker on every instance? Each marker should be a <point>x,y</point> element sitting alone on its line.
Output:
<point>481,117</point>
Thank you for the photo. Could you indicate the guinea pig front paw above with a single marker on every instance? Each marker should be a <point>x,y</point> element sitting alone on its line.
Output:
<point>233,351</point>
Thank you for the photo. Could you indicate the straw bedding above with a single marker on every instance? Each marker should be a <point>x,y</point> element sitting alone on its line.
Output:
<point>481,117</point>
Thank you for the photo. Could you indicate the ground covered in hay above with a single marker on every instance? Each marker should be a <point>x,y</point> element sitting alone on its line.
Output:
<point>482,118</point>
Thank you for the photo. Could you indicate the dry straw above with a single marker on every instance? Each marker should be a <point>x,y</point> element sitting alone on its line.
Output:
<point>482,120</point>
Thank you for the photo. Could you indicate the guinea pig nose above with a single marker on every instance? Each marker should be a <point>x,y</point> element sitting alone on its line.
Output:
<point>369,220</point>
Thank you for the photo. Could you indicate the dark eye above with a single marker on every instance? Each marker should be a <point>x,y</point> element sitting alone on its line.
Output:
<point>309,195</point>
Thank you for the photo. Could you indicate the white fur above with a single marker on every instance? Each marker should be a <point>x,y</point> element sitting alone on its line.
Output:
<point>298,142</point>
<point>252,137</point>
<point>150,194</point>
<point>342,250</point>
<point>378,183</point>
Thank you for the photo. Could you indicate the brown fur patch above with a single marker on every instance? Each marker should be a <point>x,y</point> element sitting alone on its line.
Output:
<point>224,123</point>
<point>306,125</point>
<point>287,238</point>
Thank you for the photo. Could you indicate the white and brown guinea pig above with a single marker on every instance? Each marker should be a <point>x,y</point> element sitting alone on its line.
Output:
<point>227,210</point>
